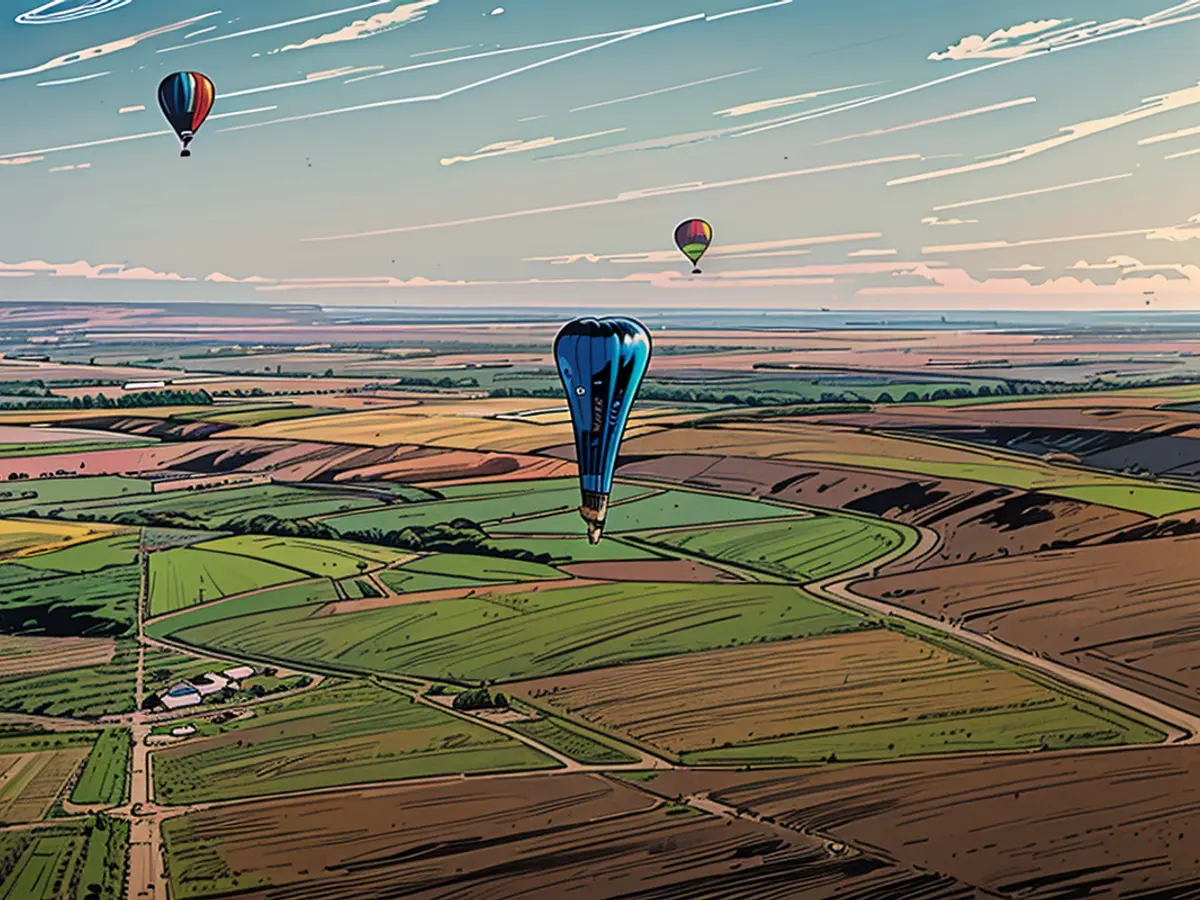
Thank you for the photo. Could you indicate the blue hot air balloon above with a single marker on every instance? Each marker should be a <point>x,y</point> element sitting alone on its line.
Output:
<point>601,363</point>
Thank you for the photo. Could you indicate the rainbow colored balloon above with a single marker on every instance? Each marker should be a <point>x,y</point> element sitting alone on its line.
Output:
<point>186,99</point>
<point>692,237</point>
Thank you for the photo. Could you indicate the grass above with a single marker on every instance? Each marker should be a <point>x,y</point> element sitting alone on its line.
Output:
<point>1054,725</point>
<point>563,550</point>
<point>68,859</point>
<point>21,537</point>
<point>104,776</point>
<point>804,549</point>
<point>37,601</point>
<point>20,495</point>
<point>447,570</point>
<point>329,559</point>
<point>521,634</point>
<point>572,741</point>
<point>340,734</point>
<point>82,693</point>
<point>481,503</point>
<point>281,598</point>
<point>209,509</point>
<point>92,556</point>
<point>656,509</point>
<point>189,575</point>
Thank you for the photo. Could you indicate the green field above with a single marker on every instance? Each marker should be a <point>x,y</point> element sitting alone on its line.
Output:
<point>28,494</point>
<point>804,549</point>
<point>565,550</point>
<point>189,575</point>
<point>447,570</point>
<point>210,509</point>
<point>529,633</point>
<point>104,776</point>
<point>1058,725</point>
<point>64,860</point>
<point>572,741</point>
<point>657,509</point>
<point>91,556</point>
<point>309,593</point>
<point>329,559</point>
<point>92,604</point>
<point>335,735</point>
<point>480,503</point>
<point>83,693</point>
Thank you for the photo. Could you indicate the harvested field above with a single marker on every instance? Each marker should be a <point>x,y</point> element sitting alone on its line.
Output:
<point>30,782</point>
<point>28,655</point>
<point>1125,611</point>
<point>859,696</point>
<point>1054,826</point>
<point>666,570</point>
<point>975,521</point>
<point>340,734</point>
<point>20,537</point>
<point>542,838</point>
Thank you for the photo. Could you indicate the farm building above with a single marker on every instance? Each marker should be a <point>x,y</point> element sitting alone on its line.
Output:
<point>179,696</point>
<point>183,730</point>
<point>238,673</point>
<point>209,683</point>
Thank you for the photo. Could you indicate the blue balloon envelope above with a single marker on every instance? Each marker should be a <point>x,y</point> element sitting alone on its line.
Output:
<point>601,363</point>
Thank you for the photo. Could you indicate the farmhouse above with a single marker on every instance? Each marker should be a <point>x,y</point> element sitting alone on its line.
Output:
<point>209,683</point>
<point>238,673</point>
<point>179,696</point>
<point>183,730</point>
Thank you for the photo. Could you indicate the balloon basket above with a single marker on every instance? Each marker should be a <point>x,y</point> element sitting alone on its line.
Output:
<point>696,272</point>
<point>185,153</point>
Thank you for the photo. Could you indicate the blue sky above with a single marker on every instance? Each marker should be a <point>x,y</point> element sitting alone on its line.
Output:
<point>862,154</point>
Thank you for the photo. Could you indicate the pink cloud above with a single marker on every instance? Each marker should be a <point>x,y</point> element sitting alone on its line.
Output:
<point>84,269</point>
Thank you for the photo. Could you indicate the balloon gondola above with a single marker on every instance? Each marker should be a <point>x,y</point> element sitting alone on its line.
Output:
<point>601,363</point>
<point>186,99</point>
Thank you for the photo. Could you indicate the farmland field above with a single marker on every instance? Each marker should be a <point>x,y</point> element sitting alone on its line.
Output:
<point>88,691</point>
<point>328,559</point>
<point>803,550</point>
<point>48,863</point>
<point>91,556</point>
<point>28,655</point>
<point>337,735</point>
<point>307,593</point>
<point>91,604</point>
<point>503,635</point>
<point>446,570</point>
<point>104,777</point>
<point>573,742</point>
<point>850,696</point>
<point>20,537</point>
<point>31,781</point>
<point>189,575</point>
<point>655,509</point>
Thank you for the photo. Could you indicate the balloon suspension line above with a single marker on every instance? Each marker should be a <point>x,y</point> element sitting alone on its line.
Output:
<point>185,139</point>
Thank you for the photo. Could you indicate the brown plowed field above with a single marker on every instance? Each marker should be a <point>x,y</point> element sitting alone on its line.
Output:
<point>975,521</point>
<point>26,655</point>
<point>1125,611</point>
<point>547,838</point>
<point>1046,826</point>
<point>677,570</point>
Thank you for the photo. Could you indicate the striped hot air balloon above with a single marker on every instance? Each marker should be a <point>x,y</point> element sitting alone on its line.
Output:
<point>692,237</point>
<point>186,99</point>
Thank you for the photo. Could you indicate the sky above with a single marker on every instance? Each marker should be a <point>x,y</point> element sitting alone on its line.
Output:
<point>864,154</point>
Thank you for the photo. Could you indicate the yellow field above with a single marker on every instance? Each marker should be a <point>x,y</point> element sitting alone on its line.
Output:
<point>495,424</point>
<point>26,655</point>
<point>23,537</point>
<point>29,782</point>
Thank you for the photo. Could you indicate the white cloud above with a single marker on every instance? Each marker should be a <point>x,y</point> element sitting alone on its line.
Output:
<point>504,148</point>
<point>935,221</point>
<point>92,53</point>
<point>222,278</point>
<point>1187,232</point>
<point>757,106</point>
<point>1032,193</point>
<point>83,269</point>
<point>666,90</point>
<point>498,11</point>
<point>999,44</point>
<point>867,251</point>
<point>21,160</point>
<point>951,117</point>
<point>86,165</point>
<point>77,80</point>
<point>728,251</point>
<point>628,197</point>
<point>1153,106</point>
<point>379,23</point>
<point>1024,267</point>
<point>275,26</point>
<point>124,110</point>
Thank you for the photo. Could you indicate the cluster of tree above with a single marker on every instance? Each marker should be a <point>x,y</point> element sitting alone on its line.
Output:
<point>415,381</point>
<point>143,399</point>
<point>480,698</point>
